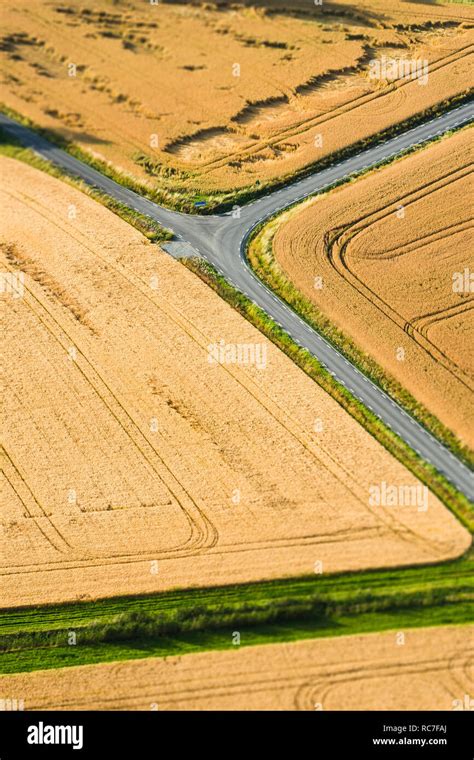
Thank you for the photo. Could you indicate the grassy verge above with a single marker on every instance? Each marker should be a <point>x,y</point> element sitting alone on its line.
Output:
<point>192,620</point>
<point>261,257</point>
<point>448,494</point>
<point>182,198</point>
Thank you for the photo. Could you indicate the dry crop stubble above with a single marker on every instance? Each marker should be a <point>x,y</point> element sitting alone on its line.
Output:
<point>155,90</point>
<point>127,447</point>
<point>429,669</point>
<point>390,248</point>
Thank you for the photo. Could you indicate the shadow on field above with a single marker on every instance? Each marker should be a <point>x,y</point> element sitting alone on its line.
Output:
<point>84,137</point>
<point>338,12</point>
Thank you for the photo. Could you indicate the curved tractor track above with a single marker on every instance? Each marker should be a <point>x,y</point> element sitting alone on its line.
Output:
<point>338,249</point>
<point>222,241</point>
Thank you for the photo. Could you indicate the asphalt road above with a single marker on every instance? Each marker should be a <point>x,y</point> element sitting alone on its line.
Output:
<point>221,239</point>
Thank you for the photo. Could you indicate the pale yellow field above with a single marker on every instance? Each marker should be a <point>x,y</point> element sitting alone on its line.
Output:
<point>431,670</point>
<point>126,446</point>
<point>387,249</point>
<point>155,91</point>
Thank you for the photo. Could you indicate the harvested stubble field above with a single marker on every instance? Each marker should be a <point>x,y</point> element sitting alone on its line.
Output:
<point>392,250</point>
<point>430,670</point>
<point>133,464</point>
<point>155,92</point>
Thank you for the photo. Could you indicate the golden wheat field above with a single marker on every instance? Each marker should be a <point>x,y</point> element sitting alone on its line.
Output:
<point>134,462</point>
<point>215,96</point>
<point>393,251</point>
<point>429,669</point>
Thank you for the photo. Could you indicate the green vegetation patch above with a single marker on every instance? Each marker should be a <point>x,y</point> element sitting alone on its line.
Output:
<point>178,622</point>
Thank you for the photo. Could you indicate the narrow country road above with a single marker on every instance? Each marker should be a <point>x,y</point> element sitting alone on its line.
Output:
<point>221,239</point>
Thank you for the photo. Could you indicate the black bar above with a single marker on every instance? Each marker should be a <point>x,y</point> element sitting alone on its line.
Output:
<point>220,734</point>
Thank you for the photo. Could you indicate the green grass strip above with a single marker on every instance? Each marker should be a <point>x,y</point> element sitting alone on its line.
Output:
<point>192,620</point>
<point>62,656</point>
